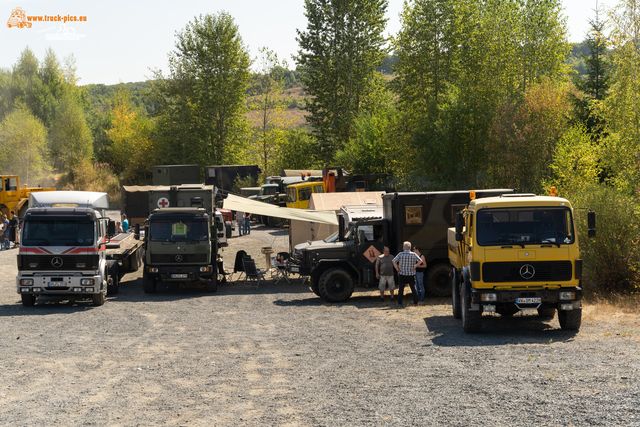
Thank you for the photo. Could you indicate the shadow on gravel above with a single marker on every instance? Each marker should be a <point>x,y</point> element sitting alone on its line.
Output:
<point>46,305</point>
<point>497,330</point>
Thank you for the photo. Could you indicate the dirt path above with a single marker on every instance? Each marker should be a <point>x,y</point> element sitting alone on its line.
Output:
<point>279,356</point>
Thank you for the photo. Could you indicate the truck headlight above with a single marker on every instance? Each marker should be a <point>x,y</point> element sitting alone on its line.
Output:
<point>489,297</point>
<point>26,282</point>
<point>86,282</point>
<point>153,269</point>
<point>204,269</point>
<point>567,295</point>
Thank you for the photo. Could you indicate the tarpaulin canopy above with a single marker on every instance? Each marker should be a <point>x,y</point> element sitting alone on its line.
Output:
<point>241,204</point>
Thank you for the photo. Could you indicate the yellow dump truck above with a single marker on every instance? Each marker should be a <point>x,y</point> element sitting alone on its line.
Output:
<point>14,198</point>
<point>517,252</point>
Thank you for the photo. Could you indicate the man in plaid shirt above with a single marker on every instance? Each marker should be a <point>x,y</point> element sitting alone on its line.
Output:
<point>405,264</point>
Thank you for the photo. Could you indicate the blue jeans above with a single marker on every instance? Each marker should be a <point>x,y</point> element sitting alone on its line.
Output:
<point>420,284</point>
<point>7,243</point>
<point>240,226</point>
<point>247,225</point>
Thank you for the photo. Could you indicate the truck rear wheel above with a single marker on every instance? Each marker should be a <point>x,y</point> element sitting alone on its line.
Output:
<point>455,300</point>
<point>438,281</point>
<point>148,283</point>
<point>228,229</point>
<point>570,320</point>
<point>335,285</point>
<point>547,313</point>
<point>507,310</point>
<point>28,300</point>
<point>471,320</point>
<point>113,283</point>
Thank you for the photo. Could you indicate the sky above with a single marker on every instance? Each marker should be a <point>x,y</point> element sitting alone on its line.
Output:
<point>124,41</point>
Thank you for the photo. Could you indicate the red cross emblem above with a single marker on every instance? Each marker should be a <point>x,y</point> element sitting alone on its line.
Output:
<point>163,202</point>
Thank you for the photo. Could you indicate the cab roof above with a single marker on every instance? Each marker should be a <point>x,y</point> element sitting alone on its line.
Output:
<point>518,200</point>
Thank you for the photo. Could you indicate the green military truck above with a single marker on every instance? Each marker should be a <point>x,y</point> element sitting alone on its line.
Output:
<point>339,263</point>
<point>182,237</point>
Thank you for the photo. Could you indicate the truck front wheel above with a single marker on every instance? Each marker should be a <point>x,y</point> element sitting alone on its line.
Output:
<point>113,283</point>
<point>335,285</point>
<point>570,320</point>
<point>211,285</point>
<point>313,281</point>
<point>438,281</point>
<point>148,283</point>
<point>99,299</point>
<point>547,313</point>
<point>28,300</point>
<point>471,320</point>
<point>455,300</point>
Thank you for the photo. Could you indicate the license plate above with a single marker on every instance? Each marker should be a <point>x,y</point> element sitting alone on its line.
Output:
<point>52,284</point>
<point>179,276</point>
<point>294,269</point>
<point>528,300</point>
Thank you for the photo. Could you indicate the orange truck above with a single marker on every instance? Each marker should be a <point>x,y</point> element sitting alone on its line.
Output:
<point>18,19</point>
<point>14,198</point>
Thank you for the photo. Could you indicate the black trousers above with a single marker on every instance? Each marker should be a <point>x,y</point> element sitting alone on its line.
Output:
<point>403,280</point>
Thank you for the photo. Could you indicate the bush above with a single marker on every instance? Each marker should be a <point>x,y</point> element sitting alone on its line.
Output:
<point>611,260</point>
<point>87,176</point>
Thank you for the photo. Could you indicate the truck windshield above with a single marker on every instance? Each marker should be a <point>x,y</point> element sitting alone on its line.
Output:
<point>58,232</point>
<point>184,230</point>
<point>524,226</point>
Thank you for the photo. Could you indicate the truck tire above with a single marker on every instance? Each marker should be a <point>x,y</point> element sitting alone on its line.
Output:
<point>211,285</point>
<point>471,320</point>
<point>228,229</point>
<point>547,313</point>
<point>28,300</point>
<point>335,285</point>
<point>455,290</point>
<point>272,222</point>
<point>313,281</point>
<point>99,299</point>
<point>570,320</point>
<point>438,281</point>
<point>113,283</point>
<point>148,283</point>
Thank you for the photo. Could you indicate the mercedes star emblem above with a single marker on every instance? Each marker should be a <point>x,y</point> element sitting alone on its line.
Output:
<point>178,258</point>
<point>527,271</point>
<point>56,262</point>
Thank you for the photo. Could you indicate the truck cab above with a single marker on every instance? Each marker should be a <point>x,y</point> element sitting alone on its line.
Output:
<point>516,252</point>
<point>298,195</point>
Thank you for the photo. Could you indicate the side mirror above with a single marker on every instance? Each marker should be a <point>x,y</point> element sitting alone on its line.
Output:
<point>459,223</point>
<point>111,228</point>
<point>137,231</point>
<point>591,220</point>
<point>459,237</point>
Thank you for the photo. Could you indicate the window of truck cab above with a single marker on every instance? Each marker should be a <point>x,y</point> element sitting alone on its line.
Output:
<point>525,226</point>
<point>292,195</point>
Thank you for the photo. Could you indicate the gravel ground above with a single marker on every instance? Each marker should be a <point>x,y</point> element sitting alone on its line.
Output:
<point>279,356</point>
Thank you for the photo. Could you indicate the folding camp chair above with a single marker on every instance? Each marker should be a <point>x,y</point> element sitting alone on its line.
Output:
<point>252,273</point>
<point>279,270</point>
<point>238,267</point>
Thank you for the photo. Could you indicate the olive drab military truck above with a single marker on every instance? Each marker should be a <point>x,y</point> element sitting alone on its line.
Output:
<point>517,252</point>
<point>337,264</point>
<point>69,247</point>
<point>181,237</point>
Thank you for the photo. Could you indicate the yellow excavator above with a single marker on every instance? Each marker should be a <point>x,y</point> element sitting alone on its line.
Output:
<point>14,198</point>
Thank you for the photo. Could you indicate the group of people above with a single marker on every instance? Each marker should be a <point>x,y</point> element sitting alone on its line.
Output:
<point>243,219</point>
<point>122,227</point>
<point>410,266</point>
<point>4,230</point>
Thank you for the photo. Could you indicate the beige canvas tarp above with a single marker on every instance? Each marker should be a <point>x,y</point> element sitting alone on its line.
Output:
<point>242,204</point>
<point>301,231</point>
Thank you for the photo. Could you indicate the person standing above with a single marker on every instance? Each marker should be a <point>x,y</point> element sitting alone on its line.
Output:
<point>125,223</point>
<point>5,232</point>
<point>384,273</point>
<point>247,223</point>
<point>420,269</point>
<point>405,264</point>
<point>240,222</point>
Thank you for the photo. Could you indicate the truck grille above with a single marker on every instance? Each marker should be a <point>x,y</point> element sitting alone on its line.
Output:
<point>186,259</point>
<point>544,271</point>
<point>58,262</point>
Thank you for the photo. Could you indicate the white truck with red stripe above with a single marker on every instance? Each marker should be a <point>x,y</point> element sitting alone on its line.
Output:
<point>68,247</point>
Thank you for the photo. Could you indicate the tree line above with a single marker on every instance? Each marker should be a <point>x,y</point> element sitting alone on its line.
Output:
<point>468,94</point>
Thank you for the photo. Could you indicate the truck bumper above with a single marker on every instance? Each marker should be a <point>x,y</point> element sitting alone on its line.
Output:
<point>298,269</point>
<point>562,299</point>
<point>59,284</point>
<point>180,274</point>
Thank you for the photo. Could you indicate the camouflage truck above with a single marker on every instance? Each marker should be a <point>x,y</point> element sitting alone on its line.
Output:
<point>182,237</point>
<point>335,265</point>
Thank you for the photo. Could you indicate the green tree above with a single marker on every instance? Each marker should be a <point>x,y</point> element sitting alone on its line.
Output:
<point>299,149</point>
<point>201,102</point>
<point>339,52</point>
<point>268,104</point>
<point>70,137</point>
<point>23,146</point>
